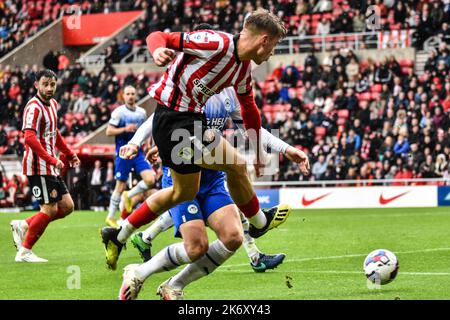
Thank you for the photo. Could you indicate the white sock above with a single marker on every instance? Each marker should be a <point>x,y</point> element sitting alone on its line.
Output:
<point>259,220</point>
<point>167,259</point>
<point>161,224</point>
<point>24,224</point>
<point>113,204</point>
<point>249,243</point>
<point>217,254</point>
<point>139,188</point>
<point>126,230</point>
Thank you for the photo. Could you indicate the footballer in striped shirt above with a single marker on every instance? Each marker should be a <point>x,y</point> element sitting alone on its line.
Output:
<point>42,167</point>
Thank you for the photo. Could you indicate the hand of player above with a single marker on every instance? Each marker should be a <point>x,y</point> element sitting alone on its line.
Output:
<point>163,56</point>
<point>131,128</point>
<point>59,165</point>
<point>152,155</point>
<point>75,161</point>
<point>298,156</point>
<point>128,151</point>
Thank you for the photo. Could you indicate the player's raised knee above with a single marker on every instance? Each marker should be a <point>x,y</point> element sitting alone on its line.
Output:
<point>233,239</point>
<point>196,248</point>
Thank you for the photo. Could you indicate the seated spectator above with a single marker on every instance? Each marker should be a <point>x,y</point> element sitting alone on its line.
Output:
<point>402,147</point>
<point>440,165</point>
<point>323,28</point>
<point>319,167</point>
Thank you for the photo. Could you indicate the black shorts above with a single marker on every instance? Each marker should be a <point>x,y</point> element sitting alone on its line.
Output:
<point>180,138</point>
<point>47,189</point>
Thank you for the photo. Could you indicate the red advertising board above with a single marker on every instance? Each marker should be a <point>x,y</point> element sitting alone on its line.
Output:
<point>89,29</point>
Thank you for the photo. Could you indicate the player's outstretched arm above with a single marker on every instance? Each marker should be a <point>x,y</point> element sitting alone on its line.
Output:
<point>252,122</point>
<point>144,132</point>
<point>275,143</point>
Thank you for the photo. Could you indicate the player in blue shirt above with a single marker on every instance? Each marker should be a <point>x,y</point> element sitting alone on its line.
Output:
<point>213,205</point>
<point>123,124</point>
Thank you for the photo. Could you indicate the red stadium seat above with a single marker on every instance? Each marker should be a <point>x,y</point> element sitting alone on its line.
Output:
<point>320,131</point>
<point>406,63</point>
<point>377,88</point>
<point>374,95</point>
<point>364,96</point>
<point>406,70</point>
<point>343,113</point>
<point>341,121</point>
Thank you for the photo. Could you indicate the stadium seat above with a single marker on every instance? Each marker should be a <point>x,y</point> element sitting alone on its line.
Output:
<point>364,96</point>
<point>341,121</point>
<point>376,88</point>
<point>406,63</point>
<point>343,113</point>
<point>320,131</point>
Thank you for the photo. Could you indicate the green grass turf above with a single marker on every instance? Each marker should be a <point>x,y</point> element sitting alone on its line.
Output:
<point>325,251</point>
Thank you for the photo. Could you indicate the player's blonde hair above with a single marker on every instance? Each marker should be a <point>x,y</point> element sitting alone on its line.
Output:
<point>262,20</point>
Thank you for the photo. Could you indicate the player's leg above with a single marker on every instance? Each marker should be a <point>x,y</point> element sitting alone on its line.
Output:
<point>142,241</point>
<point>185,187</point>
<point>224,157</point>
<point>114,203</point>
<point>45,190</point>
<point>259,261</point>
<point>122,169</point>
<point>143,168</point>
<point>65,205</point>
<point>49,190</point>
<point>227,225</point>
<point>190,225</point>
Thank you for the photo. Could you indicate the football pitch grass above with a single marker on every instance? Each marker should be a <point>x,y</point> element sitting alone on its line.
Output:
<point>325,250</point>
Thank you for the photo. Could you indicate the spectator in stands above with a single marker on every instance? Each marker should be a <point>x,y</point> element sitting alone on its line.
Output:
<point>290,77</point>
<point>359,21</point>
<point>319,167</point>
<point>3,137</point>
<point>323,28</point>
<point>383,74</point>
<point>402,147</point>
<point>78,182</point>
<point>96,181</point>
<point>323,6</point>
<point>125,48</point>
<point>309,93</point>
<point>440,165</point>
<point>427,168</point>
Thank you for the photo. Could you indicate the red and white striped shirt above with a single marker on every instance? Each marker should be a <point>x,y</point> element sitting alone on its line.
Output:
<point>208,64</point>
<point>43,119</point>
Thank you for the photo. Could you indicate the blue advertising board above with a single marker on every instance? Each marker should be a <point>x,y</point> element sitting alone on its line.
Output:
<point>444,196</point>
<point>268,197</point>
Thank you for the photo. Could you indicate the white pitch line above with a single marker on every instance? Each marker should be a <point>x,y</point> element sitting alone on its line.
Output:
<point>345,256</point>
<point>358,272</point>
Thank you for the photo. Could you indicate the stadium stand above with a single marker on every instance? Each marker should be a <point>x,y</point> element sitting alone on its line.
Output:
<point>358,119</point>
<point>22,19</point>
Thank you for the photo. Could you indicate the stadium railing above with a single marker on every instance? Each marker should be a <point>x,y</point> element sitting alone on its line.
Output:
<point>320,43</point>
<point>355,183</point>
<point>354,41</point>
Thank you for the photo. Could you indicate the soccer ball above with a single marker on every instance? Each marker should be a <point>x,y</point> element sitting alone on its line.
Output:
<point>381,266</point>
